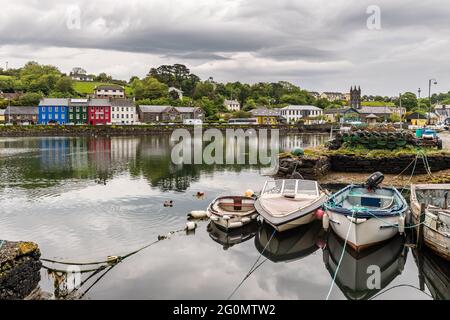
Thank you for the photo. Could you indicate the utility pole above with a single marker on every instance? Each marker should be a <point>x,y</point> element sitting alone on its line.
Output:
<point>429,98</point>
<point>420,90</point>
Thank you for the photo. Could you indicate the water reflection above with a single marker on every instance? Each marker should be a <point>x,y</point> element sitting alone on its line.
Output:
<point>290,245</point>
<point>355,276</point>
<point>234,236</point>
<point>434,273</point>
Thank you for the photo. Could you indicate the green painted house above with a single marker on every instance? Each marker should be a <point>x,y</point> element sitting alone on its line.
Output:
<point>78,111</point>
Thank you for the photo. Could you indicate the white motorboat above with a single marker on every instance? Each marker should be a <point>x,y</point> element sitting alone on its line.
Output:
<point>287,204</point>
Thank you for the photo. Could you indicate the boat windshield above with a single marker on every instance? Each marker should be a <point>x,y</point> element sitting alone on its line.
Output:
<point>291,188</point>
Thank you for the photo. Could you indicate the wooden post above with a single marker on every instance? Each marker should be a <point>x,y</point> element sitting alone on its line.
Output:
<point>420,235</point>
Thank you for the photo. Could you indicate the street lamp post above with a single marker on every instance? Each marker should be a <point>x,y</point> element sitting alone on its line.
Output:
<point>434,81</point>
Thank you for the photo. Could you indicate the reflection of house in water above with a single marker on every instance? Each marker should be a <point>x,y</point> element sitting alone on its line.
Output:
<point>434,272</point>
<point>100,157</point>
<point>355,271</point>
<point>123,149</point>
<point>291,142</point>
<point>54,154</point>
<point>78,153</point>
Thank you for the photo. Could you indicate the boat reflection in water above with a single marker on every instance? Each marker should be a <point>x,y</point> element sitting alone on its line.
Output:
<point>290,245</point>
<point>233,236</point>
<point>356,273</point>
<point>434,272</point>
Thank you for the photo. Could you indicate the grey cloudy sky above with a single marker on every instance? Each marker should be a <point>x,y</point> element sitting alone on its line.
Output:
<point>320,45</point>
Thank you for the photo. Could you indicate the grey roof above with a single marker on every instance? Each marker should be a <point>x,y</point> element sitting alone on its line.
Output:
<point>154,109</point>
<point>303,107</point>
<point>187,109</point>
<point>122,102</point>
<point>230,102</point>
<point>372,116</point>
<point>54,102</point>
<point>109,87</point>
<point>336,110</point>
<point>99,103</point>
<point>21,110</point>
<point>265,112</point>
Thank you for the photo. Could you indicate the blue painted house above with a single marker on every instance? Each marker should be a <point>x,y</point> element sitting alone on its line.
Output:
<point>53,110</point>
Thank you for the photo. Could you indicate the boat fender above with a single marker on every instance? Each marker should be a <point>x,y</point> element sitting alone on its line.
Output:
<point>319,214</point>
<point>321,243</point>
<point>190,226</point>
<point>401,225</point>
<point>226,218</point>
<point>249,193</point>
<point>326,222</point>
<point>214,218</point>
<point>245,220</point>
<point>254,216</point>
<point>198,214</point>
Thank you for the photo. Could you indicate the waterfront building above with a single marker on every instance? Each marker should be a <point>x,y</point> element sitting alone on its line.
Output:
<point>293,113</point>
<point>21,115</point>
<point>99,112</point>
<point>232,105</point>
<point>109,91</point>
<point>267,116</point>
<point>417,119</point>
<point>53,111</point>
<point>443,112</point>
<point>78,111</point>
<point>185,113</point>
<point>148,114</point>
<point>348,114</point>
<point>123,111</point>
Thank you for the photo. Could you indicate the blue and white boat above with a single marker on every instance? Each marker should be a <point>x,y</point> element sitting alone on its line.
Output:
<point>366,214</point>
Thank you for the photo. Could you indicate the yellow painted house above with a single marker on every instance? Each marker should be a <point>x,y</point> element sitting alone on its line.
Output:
<point>2,116</point>
<point>417,119</point>
<point>266,116</point>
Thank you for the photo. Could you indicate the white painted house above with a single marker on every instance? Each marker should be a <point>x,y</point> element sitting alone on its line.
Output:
<point>232,105</point>
<point>109,91</point>
<point>123,112</point>
<point>293,114</point>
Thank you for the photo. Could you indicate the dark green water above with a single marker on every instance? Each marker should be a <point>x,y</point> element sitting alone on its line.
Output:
<point>82,199</point>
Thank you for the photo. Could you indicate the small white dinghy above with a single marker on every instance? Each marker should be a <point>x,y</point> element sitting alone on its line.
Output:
<point>231,212</point>
<point>287,204</point>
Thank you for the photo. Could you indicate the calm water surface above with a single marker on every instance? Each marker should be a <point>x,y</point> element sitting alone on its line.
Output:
<point>83,199</point>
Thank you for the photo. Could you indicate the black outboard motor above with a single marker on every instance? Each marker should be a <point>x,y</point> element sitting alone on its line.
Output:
<point>374,180</point>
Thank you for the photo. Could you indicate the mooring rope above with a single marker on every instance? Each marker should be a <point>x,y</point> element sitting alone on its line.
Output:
<point>341,258</point>
<point>254,266</point>
<point>114,259</point>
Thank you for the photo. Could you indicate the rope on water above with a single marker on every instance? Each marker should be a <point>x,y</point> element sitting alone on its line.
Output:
<point>254,266</point>
<point>112,259</point>
<point>399,286</point>
<point>341,258</point>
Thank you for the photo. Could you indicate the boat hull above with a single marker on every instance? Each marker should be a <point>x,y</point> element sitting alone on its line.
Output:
<point>363,232</point>
<point>438,241</point>
<point>233,223</point>
<point>300,221</point>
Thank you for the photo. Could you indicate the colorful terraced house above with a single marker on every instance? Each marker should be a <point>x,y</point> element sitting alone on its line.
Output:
<point>53,111</point>
<point>99,112</point>
<point>78,111</point>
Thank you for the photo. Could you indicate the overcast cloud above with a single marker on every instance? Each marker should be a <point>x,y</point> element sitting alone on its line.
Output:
<point>320,45</point>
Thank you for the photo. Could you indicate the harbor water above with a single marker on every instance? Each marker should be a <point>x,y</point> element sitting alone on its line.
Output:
<point>83,199</point>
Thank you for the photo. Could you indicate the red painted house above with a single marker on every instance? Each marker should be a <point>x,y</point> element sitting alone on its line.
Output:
<point>99,112</point>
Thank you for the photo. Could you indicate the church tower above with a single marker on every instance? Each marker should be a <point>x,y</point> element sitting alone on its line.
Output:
<point>355,98</point>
